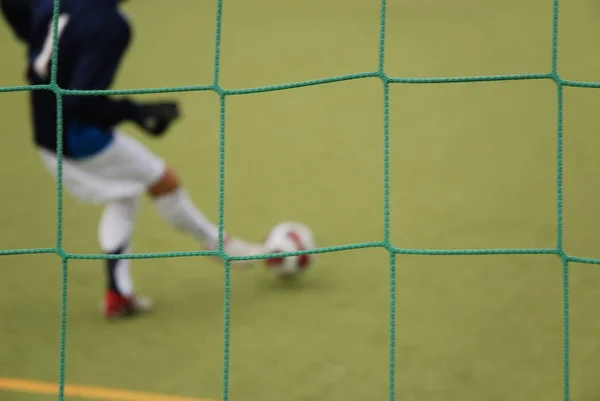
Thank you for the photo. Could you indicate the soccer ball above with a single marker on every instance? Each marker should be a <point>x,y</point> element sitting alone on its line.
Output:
<point>289,237</point>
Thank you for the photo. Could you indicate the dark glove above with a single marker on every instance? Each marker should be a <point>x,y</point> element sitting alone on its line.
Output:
<point>155,118</point>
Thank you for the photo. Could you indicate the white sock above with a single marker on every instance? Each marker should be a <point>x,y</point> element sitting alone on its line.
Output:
<point>114,233</point>
<point>179,211</point>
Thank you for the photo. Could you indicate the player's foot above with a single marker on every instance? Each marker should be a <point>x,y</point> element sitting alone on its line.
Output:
<point>116,305</point>
<point>236,247</point>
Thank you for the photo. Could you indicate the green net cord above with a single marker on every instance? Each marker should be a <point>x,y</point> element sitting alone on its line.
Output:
<point>384,243</point>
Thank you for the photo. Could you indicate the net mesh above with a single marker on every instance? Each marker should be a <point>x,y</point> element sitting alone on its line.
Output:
<point>384,243</point>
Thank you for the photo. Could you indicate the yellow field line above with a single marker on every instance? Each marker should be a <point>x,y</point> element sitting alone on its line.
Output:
<point>90,392</point>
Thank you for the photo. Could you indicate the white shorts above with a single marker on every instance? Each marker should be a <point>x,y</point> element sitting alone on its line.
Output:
<point>124,169</point>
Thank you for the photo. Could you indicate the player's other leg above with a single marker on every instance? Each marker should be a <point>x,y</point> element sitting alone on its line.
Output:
<point>98,179</point>
<point>114,234</point>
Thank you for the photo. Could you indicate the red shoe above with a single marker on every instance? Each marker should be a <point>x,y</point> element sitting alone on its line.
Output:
<point>116,305</point>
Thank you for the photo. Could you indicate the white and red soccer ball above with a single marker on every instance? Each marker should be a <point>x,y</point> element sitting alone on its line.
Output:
<point>289,237</point>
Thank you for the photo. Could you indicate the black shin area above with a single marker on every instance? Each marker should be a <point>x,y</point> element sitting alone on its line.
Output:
<point>111,267</point>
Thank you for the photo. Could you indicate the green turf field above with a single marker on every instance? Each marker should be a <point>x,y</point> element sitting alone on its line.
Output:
<point>472,166</point>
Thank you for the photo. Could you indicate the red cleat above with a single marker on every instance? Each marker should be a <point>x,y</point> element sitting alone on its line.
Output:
<point>116,305</point>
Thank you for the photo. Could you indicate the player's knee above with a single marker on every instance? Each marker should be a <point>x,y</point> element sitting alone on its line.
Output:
<point>167,183</point>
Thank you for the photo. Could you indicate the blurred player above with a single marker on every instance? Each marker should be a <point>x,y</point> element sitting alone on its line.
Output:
<point>101,165</point>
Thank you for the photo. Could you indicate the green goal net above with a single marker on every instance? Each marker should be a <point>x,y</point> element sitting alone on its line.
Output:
<point>383,243</point>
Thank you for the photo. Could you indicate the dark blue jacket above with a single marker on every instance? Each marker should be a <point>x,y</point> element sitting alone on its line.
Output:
<point>93,37</point>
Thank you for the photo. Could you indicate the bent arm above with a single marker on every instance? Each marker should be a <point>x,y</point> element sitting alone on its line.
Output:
<point>94,71</point>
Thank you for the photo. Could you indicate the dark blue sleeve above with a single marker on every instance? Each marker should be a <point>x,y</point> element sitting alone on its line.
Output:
<point>17,13</point>
<point>94,68</point>
<point>91,72</point>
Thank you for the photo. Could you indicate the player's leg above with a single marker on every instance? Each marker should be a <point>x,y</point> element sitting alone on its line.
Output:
<point>114,234</point>
<point>175,206</point>
<point>87,180</point>
<point>126,170</point>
